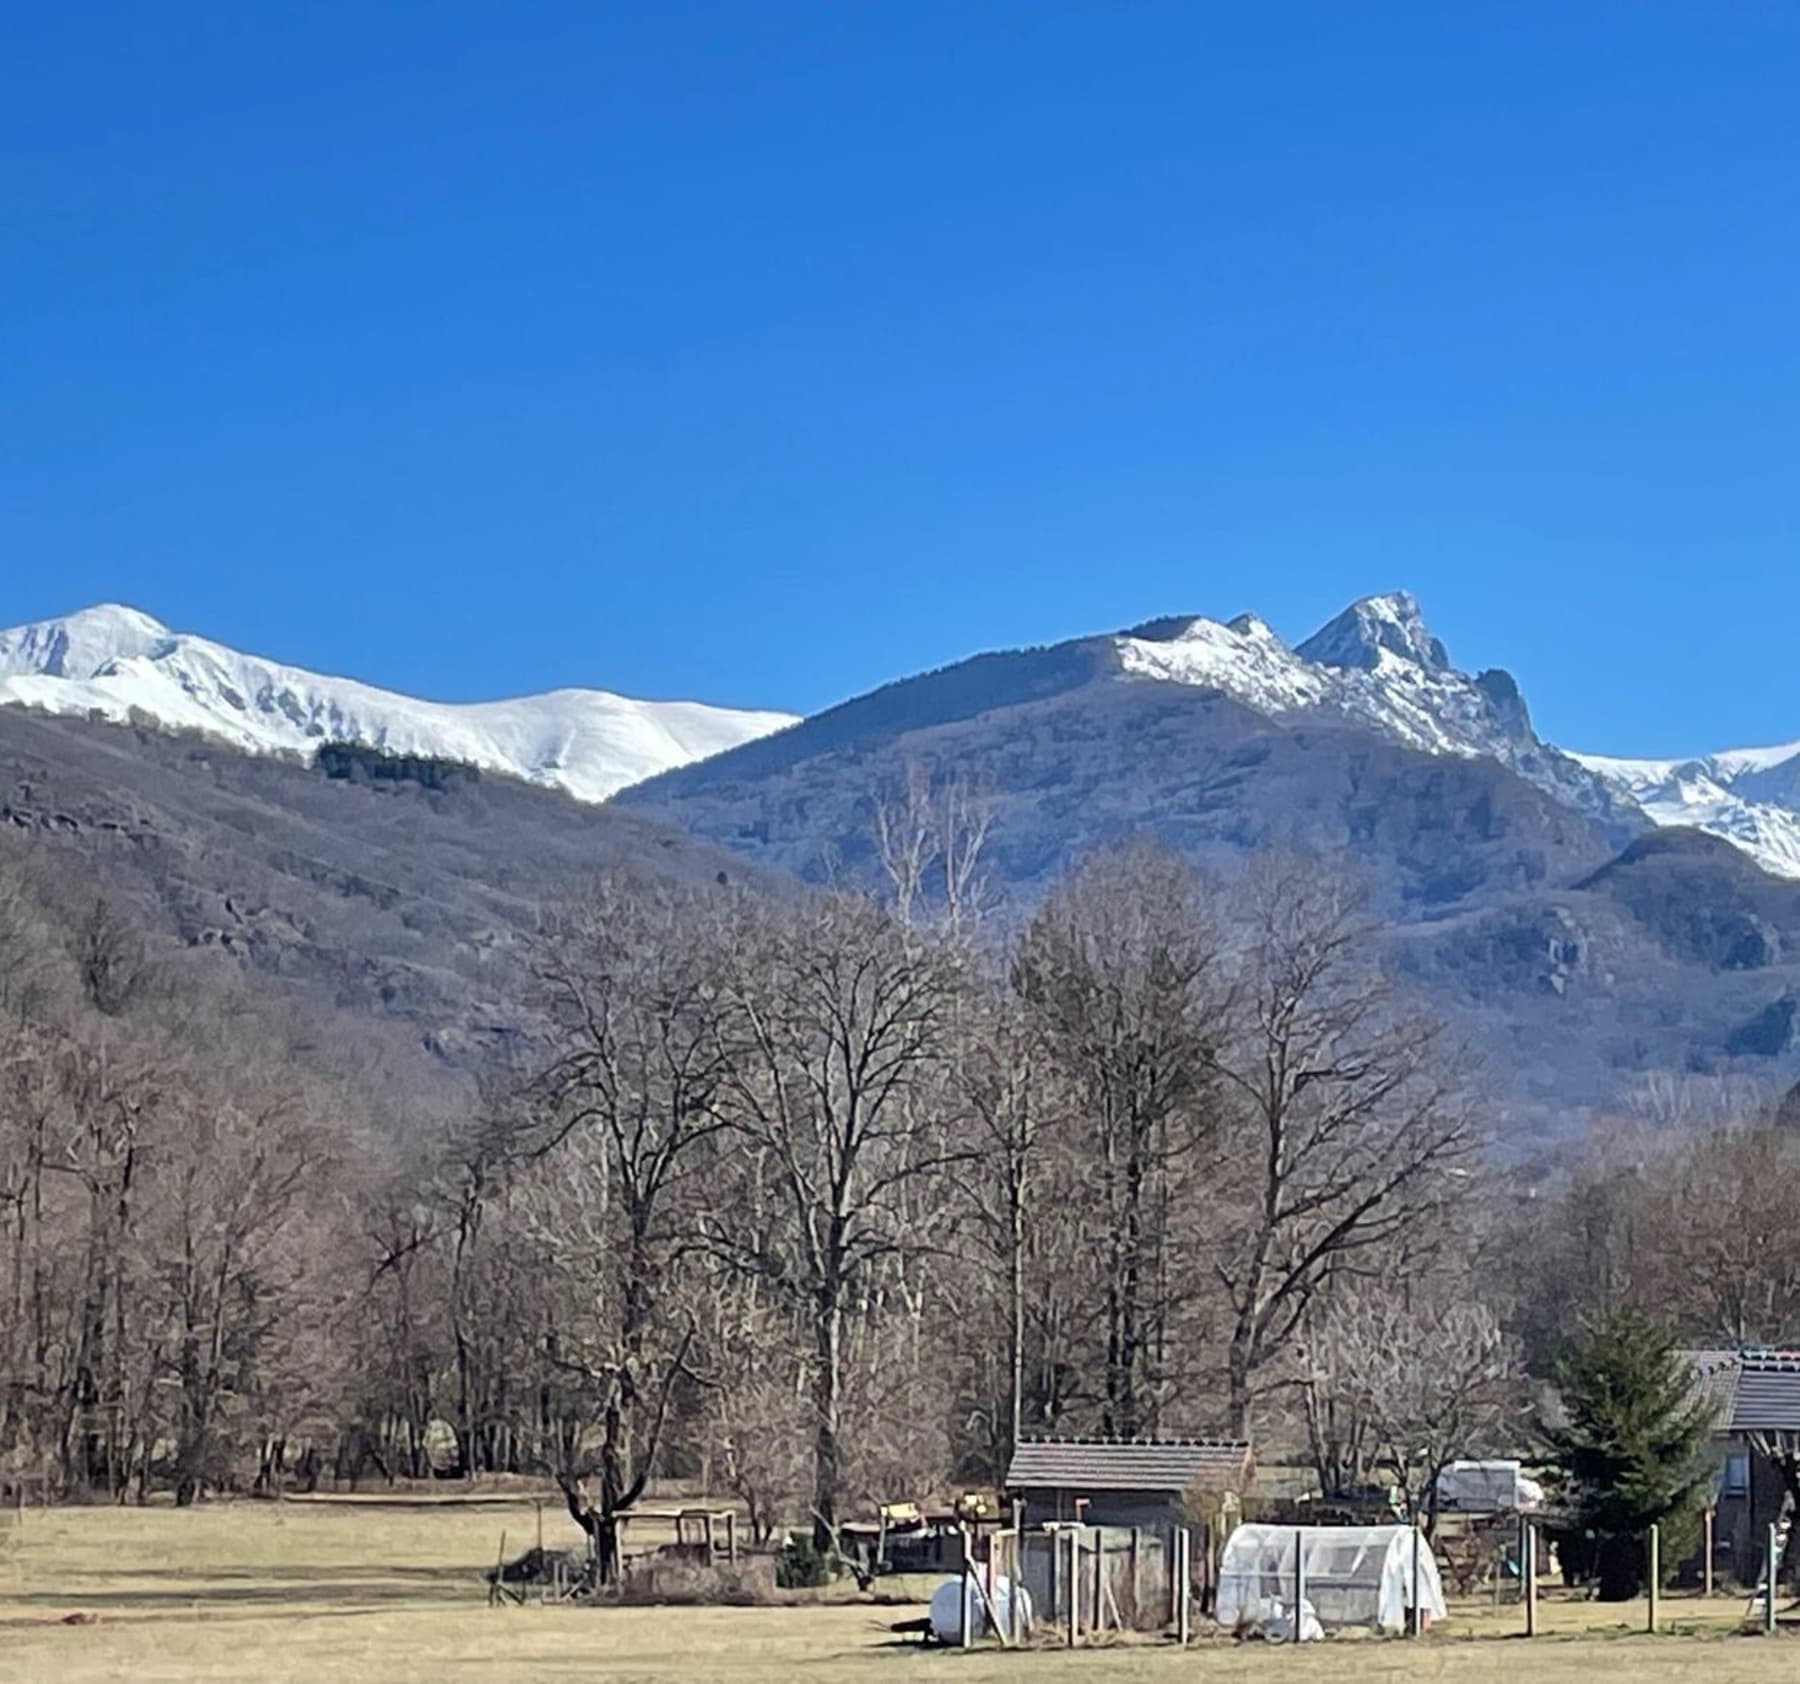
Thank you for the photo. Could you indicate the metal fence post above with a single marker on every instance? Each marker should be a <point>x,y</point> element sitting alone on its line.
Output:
<point>1416,1621</point>
<point>1770,1574</point>
<point>1528,1568</point>
<point>1299,1584</point>
<point>1655,1575</point>
<point>1184,1543</point>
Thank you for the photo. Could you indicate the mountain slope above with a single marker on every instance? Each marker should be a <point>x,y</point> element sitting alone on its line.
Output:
<point>1579,969</point>
<point>380,900</point>
<point>1494,859</point>
<point>118,664</point>
<point>1365,740</point>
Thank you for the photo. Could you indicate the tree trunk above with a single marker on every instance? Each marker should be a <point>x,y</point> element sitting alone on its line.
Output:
<point>1238,1385</point>
<point>1016,1353</point>
<point>827,1387</point>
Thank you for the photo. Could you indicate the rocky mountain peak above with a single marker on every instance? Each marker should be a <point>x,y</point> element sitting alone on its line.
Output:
<point>1358,636</point>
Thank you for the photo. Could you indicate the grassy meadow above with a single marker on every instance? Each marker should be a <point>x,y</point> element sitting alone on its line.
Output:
<point>365,1589</point>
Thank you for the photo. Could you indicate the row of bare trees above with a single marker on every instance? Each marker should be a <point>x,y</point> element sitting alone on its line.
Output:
<point>816,1198</point>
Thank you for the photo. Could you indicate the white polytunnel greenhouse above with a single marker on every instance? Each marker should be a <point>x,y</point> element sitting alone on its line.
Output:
<point>1354,1576</point>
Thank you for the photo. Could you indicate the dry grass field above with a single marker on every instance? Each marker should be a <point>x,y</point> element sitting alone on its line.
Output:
<point>364,1590</point>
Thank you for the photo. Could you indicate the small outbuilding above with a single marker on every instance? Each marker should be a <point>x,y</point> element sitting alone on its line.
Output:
<point>1353,1576</point>
<point>1754,1397</point>
<point>1124,1482</point>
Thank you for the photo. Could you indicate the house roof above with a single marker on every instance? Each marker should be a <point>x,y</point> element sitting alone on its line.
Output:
<point>1753,1391</point>
<point>1141,1464</point>
<point>1768,1393</point>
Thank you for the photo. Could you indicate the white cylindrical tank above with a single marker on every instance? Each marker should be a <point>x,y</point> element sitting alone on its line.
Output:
<point>946,1609</point>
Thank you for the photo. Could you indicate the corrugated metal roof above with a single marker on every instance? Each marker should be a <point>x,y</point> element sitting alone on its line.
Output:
<point>1750,1391</point>
<point>1109,1464</point>
<point>1768,1393</point>
<point>1715,1383</point>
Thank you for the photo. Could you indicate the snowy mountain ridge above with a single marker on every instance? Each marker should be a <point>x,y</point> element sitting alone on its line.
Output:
<point>1378,666</point>
<point>1375,666</point>
<point>121,664</point>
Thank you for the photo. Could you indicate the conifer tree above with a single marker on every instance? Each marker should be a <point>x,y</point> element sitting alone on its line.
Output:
<point>1630,1454</point>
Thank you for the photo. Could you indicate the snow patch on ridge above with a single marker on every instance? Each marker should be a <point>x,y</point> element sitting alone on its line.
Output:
<point>122,664</point>
<point>1750,796</point>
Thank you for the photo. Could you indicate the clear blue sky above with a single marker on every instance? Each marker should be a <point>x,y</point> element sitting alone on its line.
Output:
<point>762,351</point>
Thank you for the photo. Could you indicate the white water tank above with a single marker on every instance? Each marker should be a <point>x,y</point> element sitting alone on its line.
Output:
<point>946,1609</point>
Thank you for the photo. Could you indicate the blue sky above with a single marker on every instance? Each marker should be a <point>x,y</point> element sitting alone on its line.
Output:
<point>762,351</point>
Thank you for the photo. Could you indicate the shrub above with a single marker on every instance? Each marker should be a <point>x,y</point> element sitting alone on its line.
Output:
<point>800,1566</point>
<point>686,1584</point>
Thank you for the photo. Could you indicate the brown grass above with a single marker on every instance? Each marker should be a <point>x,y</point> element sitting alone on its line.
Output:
<point>394,1591</point>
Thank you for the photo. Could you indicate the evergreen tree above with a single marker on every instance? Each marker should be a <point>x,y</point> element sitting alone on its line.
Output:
<point>1630,1455</point>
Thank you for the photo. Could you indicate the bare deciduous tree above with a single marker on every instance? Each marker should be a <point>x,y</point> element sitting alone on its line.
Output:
<point>1405,1376</point>
<point>633,1092</point>
<point>1118,972</point>
<point>836,1023</point>
<point>1347,1120</point>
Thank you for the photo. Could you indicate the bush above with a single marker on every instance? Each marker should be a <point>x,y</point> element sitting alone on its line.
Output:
<point>674,1583</point>
<point>799,1566</point>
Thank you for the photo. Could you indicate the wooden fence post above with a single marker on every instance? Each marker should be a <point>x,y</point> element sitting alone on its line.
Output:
<point>1171,1550</point>
<point>1137,1591</point>
<point>968,1600</point>
<point>1075,1586</point>
<point>1098,1622</point>
<point>1018,1573</point>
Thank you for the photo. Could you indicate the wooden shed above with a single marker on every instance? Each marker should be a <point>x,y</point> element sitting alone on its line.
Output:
<point>1123,1482</point>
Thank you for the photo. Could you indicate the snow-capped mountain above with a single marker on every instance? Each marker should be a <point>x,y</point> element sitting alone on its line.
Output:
<point>1376,664</point>
<point>1749,796</point>
<point>121,664</point>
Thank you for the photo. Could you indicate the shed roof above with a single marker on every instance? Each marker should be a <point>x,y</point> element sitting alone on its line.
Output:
<point>1139,1464</point>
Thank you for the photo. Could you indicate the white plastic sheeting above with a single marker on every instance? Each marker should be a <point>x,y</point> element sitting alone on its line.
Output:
<point>946,1609</point>
<point>1355,1576</point>
<point>1494,1487</point>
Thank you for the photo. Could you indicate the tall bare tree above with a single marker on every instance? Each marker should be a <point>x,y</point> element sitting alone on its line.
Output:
<point>930,834</point>
<point>1119,974</point>
<point>1347,1121</point>
<point>836,1023</point>
<point>633,1095</point>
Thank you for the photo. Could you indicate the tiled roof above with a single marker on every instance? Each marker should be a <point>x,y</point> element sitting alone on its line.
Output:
<point>1110,1464</point>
